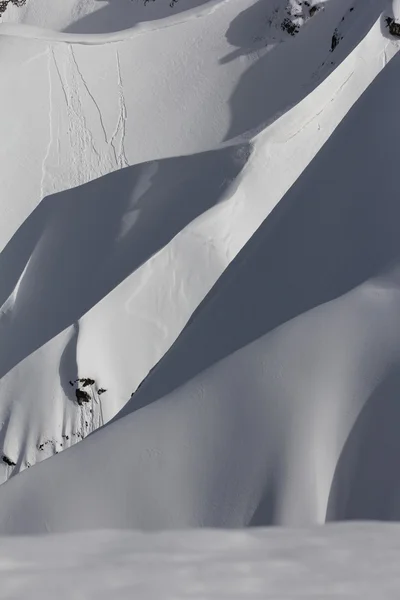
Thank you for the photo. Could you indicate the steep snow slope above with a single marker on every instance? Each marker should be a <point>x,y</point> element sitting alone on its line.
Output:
<point>93,281</point>
<point>297,423</point>
<point>353,561</point>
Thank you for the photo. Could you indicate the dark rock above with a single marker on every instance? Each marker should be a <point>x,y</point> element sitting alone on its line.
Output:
<point>82,396</point>
<point>335,40</point>
<point>8,461</point>
<point>290,27</point>
<point>314,9</point>
<point>87,381</point>
<point>394,29</point>
<point>5,3</point>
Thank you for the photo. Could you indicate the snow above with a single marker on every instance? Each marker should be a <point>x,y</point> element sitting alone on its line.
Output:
<point>199,213</point>
<point>352,561</point>
<point>396,9</point>
<point>201,208</point>
<point>113,249</point>
<point>101,16</point>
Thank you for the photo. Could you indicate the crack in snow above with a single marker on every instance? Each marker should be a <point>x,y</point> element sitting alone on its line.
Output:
<point>59,76</point>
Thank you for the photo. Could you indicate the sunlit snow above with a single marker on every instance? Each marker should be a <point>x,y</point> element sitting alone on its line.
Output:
<point>199,297</point>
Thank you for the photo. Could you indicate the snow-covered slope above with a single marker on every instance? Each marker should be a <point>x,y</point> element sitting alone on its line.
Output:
<point>298,421</point>
<point>98,279</point>
<point>341,562</point>
<point>246,147</point>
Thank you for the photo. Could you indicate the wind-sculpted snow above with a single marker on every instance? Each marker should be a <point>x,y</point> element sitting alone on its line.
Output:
<point>137,199</point>
<point>253,441</point>
<point>333,230</point>
<point>276,432</point>
<point>81,244</point>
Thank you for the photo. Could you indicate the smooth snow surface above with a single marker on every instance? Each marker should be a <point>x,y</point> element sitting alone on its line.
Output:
<point>352,562</point>
<point>199,207</point>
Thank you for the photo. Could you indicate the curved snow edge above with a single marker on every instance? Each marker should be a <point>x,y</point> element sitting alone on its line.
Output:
<point>31,32</point>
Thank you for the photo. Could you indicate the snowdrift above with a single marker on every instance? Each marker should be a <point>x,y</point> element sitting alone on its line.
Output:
<point>267,409</point>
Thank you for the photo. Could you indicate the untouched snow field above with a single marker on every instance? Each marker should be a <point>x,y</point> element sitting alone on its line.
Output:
<point>335,562</point>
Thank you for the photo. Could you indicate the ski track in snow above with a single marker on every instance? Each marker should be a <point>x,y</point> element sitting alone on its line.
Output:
<point>90,155</point>
<point>50,143</point>
<point>120,157</point>
<point>89,93</point>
